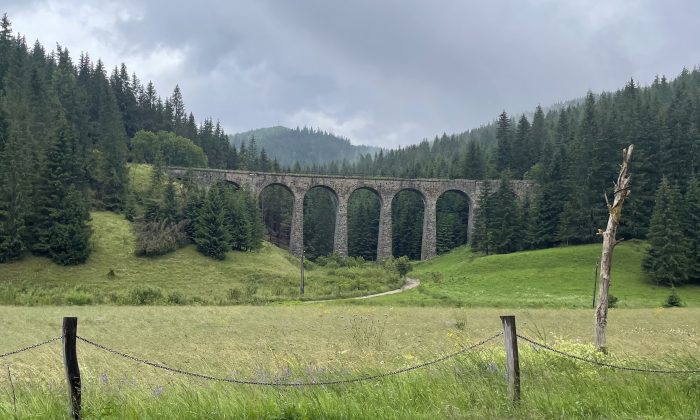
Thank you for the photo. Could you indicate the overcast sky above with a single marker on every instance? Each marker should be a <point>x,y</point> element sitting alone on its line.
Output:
<point>384,73</point>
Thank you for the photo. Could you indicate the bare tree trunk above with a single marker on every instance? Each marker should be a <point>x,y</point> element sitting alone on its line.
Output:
<point>622,190</point>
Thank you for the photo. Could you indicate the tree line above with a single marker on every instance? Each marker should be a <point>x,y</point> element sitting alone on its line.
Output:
<point>67,132</point>
<point>572,153</point>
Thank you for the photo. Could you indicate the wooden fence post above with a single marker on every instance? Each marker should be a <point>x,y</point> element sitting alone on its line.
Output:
<point>70,362</point>
<point>512,361</point>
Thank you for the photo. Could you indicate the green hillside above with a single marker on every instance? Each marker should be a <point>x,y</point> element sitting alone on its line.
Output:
<point>557,278</point>
<point>306,146</point>
<point>114,275</point>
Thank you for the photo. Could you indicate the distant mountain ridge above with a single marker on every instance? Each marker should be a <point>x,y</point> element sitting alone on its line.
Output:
<point>308,146</point>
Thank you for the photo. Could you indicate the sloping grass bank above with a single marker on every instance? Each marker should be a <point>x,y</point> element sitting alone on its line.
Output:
<point>554,278</point>
<point>114,275</point>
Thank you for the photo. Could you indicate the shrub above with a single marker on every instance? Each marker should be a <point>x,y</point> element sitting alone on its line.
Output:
<point>144,295</point>
<point>158,238</point>
<point>176,298</point>
<point>234,294</point>
<point>403,266</point>
<point>336,260</point>
<point>613,301</point>
<point>250,291</point>
<point>673,300</point>
<point>78,297</point>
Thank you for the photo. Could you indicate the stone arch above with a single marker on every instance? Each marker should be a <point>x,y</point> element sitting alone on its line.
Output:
<point>233,184</point>
<point>320,210</point>
<point>452,217</point>
<point>369,188</point>
<point>277,213</point>
<point>364,211</point>
<point>408,222</point>
<point>273,183</point>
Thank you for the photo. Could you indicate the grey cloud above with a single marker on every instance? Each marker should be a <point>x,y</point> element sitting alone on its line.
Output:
<point>393,72</point>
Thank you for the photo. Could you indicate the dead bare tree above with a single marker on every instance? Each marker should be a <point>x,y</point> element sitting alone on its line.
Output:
<point>622,190</point>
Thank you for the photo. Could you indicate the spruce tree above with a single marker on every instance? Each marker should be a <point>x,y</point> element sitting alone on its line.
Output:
<point>69,234</point>
<point>504,146</point>
<point>169,210</point>
<point>667,258</point>
<point>211,236</point>
<point>505,220</point>
<point>692,228</point>
<point>482,235</point>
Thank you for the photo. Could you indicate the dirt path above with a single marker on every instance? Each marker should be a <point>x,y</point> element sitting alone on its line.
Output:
<point>410,284</point>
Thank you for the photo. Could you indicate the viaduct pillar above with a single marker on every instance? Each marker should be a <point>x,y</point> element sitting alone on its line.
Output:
<point>340,241</point>
<point>296,236</point>
<point>384,244</point>
<point>429,247</point>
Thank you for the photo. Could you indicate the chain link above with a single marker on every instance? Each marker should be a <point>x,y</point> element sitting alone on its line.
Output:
<point>609,365</point>
<point>33,346</point>
<point>290,384</point>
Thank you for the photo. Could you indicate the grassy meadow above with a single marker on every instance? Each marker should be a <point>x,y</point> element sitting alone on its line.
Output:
<point>114,275</point>
<point>551,278</point>
<point>312,342</point>
<point>221,318</point>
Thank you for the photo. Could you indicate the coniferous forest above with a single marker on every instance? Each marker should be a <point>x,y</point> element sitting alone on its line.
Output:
<point>68,132</point>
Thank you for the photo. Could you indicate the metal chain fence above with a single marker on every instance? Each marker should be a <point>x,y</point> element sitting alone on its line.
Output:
<point>608,365</point>
<point>290,384</point>
<point>33,346</point>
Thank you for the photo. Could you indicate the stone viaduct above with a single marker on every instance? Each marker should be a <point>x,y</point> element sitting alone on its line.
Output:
<point>342,187</point>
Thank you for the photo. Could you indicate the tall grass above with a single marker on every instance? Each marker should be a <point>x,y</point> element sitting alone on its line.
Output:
<point>471,386</point>
<point>318,342</point>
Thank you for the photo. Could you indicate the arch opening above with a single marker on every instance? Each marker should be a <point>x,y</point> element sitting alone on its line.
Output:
<point>407,210</point>
<point>276,202</point>
<point>232,184</point>
<point>320,211</point>
<point>452,224</point>
<point>363,223</point>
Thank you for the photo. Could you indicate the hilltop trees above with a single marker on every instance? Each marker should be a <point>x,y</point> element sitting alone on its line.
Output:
<point>66,133</point>
<point>666,260</point>
<point>673,235</point>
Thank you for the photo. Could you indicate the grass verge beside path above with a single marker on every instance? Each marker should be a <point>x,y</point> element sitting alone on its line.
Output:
<point>310,342</point>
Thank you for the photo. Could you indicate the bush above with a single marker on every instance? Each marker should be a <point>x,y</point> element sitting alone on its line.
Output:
<point>176,298</point>
<point>673,300</point>
<point>250,291</point>
<point>403,266</point>
<point>144,295</point>
<point>157,238</point>
<point>336,260</point>
<point>613,301</point>
<point>234,294</point>
<point>78,297</point>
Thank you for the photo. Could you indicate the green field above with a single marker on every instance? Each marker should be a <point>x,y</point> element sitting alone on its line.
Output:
<point>311,342</point>
<point>114,275</point>
<point>551,278</point>
<point>458,303</point>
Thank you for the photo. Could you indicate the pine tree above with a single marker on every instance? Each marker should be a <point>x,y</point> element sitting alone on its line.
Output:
<point>692,228</point>
<point>69,235</point>
<point>505,220</point>
<point>211,236</point>
<point>59,174</point>
<point>194,202</point>
<point>666,261</point>
<point>504,147</point>
<point>482,235</point>
<point>170,207</point>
